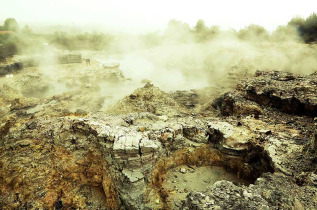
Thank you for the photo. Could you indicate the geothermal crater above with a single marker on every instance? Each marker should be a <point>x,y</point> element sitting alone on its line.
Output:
<point>84,147</point>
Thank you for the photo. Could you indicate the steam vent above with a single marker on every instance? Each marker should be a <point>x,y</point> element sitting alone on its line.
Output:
<point>193,118</point>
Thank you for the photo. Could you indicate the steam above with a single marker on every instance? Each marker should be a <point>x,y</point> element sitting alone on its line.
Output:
<point>198,65</point>
<point>181,58</point>
<point>49,69</point>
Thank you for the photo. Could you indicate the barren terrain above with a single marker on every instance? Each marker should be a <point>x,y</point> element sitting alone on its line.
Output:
<point>78,136</point>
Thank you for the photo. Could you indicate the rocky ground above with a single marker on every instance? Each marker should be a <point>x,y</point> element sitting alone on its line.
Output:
<point>83,146</point>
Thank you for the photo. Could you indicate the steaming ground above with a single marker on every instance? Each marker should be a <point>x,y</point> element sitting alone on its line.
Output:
<point>75,134</point>
<point>212,68</point>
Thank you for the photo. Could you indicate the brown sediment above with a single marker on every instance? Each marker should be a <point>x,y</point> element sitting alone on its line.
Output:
<point>112,198</point>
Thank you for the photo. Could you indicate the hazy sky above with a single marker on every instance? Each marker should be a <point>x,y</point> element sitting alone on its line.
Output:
<point>144,15</point>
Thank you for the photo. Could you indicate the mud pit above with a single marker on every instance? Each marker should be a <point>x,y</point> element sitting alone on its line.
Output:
<point>146,148</point>
<point>185,179</point>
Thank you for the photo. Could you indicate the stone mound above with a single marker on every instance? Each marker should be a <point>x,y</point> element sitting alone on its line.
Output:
<point>147,99</point>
